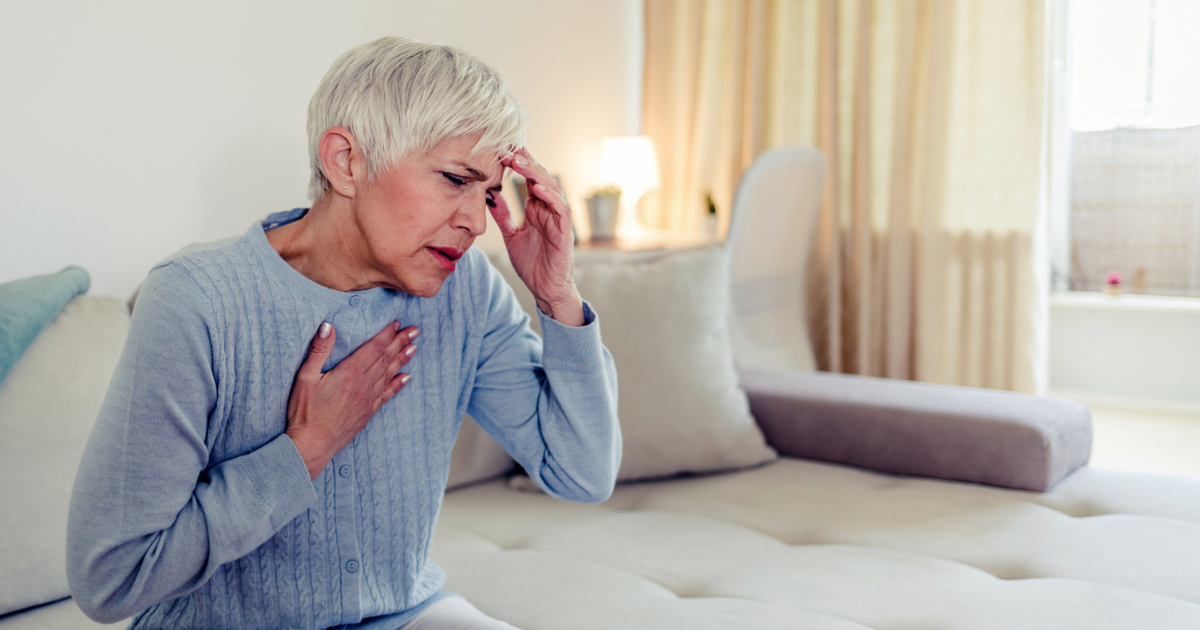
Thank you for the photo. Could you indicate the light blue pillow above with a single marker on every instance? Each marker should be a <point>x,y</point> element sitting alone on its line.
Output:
<point>27,305</point>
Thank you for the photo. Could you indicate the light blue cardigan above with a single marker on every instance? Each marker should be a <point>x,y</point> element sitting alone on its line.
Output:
<point>192,509</point>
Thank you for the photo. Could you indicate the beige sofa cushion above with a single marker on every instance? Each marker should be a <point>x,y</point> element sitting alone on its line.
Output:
<point>798,544</point>
<point>665,321</point>
<point>475,456</point>
<point>804,544</point>
<point>61,615</point>
<point>48,404</point>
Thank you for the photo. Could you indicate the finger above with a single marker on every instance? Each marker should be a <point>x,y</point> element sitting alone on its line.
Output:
<point>368,353</point>
<point>534,174</point>
<point>503,217</point>
<point>400,359</point>
<point>521,153</point>
<point>528,168</point>
<point>525,156</point>
<point>318,350</point>
<point>393,387</point>
<point>552,198</point>
<point>395,360</point>
<point>551,205</point>
<point>394,348</point>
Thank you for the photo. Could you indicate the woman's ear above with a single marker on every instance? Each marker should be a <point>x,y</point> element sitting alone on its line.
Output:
<point>341,160</point>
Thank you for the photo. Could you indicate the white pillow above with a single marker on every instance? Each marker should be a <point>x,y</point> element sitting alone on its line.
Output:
<point>666,324</point>
<point>48,404</point>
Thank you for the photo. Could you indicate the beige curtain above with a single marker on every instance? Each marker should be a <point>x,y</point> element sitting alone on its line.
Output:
<point>928,259</point>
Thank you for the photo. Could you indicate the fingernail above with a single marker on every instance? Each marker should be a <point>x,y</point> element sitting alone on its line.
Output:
<point>405,379</point>
<point>414,333</point>
<point>324,330</point>
<point>410,350</point>
<point>396,326</point>
<point>521,162</point>
<point>540,187</point>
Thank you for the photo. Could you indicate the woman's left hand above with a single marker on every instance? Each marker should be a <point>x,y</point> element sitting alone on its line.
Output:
<point>541,248</point>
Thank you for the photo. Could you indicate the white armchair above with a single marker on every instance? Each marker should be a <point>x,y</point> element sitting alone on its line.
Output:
<point>770,237</point>
<point>958,433</point>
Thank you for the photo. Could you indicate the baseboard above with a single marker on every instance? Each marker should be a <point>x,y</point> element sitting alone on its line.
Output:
<point>1125,403</point>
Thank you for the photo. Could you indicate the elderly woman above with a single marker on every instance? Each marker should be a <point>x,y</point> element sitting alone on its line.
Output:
<point>275,443</point>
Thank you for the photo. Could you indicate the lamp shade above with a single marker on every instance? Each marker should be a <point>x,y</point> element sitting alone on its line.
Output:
<point>629,163</point>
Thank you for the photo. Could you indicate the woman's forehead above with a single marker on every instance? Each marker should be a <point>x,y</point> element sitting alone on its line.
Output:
<point>457,151</point>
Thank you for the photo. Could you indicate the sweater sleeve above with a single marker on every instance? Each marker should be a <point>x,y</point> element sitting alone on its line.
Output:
<point>551,405</point>
<point>150,517</point>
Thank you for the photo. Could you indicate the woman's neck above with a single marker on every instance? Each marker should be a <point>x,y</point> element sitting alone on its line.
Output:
<point>325,247</point>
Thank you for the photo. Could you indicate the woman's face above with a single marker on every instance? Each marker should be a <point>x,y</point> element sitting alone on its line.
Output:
<point>422,215</point>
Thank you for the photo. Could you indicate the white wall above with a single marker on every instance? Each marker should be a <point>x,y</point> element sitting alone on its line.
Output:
<point>133,128</point>
<point>1135,351</point>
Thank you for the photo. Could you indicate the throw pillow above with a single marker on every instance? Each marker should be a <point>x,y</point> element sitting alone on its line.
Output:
<point>665,322</point>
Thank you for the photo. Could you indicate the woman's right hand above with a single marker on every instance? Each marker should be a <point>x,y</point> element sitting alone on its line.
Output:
<point>327,410</point>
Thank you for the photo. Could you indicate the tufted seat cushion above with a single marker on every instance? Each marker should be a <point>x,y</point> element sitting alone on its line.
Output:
<point>801,544</point>
<point>797,543</point>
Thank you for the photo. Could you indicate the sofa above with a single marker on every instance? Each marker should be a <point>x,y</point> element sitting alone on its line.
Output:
<point>816,501</point>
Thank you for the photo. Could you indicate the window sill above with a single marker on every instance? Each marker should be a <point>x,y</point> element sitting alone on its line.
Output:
<point>1125,302</point>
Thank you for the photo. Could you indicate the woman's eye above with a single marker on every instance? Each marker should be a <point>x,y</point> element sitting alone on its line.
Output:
<point>491,201</point>
<point>457,181</point>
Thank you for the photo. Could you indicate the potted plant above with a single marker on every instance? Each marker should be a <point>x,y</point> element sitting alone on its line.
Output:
<point>602,212</point>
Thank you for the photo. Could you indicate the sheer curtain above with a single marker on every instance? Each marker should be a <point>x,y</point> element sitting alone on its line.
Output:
<point>929,261</point>
<point>1135,209</point>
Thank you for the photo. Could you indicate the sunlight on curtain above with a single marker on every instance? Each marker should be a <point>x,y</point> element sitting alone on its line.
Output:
<point>929,113</point>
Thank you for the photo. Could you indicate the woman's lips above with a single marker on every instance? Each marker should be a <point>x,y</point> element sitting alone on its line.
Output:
<point>445,256</point>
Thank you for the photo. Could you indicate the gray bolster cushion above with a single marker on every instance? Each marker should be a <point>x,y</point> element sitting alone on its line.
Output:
<point>959,433</point>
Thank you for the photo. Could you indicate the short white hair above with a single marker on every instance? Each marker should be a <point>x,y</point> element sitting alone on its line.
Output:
<point>400,97</point>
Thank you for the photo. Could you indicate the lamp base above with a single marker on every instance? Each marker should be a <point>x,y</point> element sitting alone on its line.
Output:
<point>629,227</point>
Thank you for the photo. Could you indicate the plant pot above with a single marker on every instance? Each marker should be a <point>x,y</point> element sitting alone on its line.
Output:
<point>602,216</point>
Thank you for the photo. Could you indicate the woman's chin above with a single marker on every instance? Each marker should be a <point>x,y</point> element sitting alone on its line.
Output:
<point>426,287</point>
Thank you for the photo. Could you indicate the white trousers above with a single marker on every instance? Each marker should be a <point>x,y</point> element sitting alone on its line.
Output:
<point>454,613</point>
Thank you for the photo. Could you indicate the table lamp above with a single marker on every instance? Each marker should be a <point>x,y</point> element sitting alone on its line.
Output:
<point>629,163</point>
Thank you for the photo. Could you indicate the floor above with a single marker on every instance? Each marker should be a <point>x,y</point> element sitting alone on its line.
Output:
<point>1146,441</point>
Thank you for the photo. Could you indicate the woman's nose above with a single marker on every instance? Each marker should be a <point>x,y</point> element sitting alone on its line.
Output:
<point>472,216</point>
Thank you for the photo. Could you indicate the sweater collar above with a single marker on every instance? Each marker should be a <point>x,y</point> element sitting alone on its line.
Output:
<point>257,238</point>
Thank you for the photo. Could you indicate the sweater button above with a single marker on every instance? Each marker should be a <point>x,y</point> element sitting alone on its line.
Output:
<point>355,300</point>
<point>344,471</point>
<point>352,566</point>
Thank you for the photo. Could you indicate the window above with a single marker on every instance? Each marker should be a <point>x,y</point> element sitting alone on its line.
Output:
<point>1134,159</point>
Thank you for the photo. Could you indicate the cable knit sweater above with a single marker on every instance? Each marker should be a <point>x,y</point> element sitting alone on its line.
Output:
<point>192,509</point>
